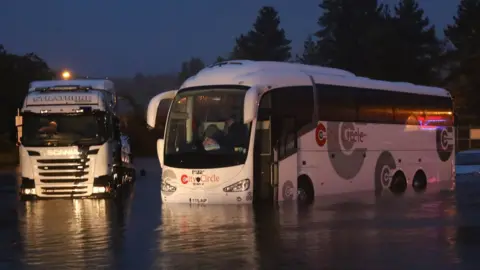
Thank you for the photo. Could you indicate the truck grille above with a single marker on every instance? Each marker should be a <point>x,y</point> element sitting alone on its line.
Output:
<point>63,177</point>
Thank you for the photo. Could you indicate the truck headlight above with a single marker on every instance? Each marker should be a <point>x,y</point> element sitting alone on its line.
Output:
<point>239,186</point>
<point>99,189</point>
<point>166,187</point>
<point>29,191</point>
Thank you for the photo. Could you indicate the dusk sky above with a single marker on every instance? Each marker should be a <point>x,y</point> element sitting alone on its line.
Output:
<point>122,37</point>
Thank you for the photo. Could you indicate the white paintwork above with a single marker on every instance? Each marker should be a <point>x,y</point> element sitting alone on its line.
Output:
<point>406,149</point>
<point>251,104</point>
<point>210,189</point>
<point>31,167</point>
<point>63,102</point>
<point>288,74</point>
<point>105,85</point>
<point>413,149</point>
<point>102,96</point>
<point>160,146</point>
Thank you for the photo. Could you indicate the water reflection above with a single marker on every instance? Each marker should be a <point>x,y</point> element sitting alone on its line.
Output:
<point>420,232</point>
<point>218,237</point>
<point>71,233</point>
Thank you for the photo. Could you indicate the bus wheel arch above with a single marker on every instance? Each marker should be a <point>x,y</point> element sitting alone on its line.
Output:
<point>419,182</point>
<point>398,184</point>
<point>305,189</point>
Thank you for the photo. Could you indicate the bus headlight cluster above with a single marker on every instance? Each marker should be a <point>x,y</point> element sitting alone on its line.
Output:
<point>239,186</point>
<point>166,187</point>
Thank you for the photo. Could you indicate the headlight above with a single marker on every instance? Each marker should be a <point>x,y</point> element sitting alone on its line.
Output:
<point>29,191</point>
<point>99,189</point>
<point>166,187</point>
<point>239,186</point>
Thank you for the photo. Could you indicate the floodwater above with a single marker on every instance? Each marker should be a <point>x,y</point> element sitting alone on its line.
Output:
<point>424,232</point>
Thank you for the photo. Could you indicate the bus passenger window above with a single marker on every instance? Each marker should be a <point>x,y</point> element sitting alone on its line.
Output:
<point>408,109</point>
<point>438,111</point>
<point>294,102</point>
<point>374,106</point>
<point>336,103</point>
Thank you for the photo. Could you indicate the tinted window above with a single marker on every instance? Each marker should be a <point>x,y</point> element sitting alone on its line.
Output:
<point>336,103</point>
<point>375,106</point>
<point>294,102</point>
<point>349,104</point>
<point>408,108</point>
<point>438,111</point>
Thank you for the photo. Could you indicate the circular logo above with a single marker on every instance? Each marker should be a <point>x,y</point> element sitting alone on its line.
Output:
<point>184,179</point>
<point>385,177</point>
<point>444,143</point>
<point>444,139</point>
<point>321,134</point>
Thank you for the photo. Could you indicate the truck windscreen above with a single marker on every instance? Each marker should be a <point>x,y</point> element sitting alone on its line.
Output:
<point>63,129</point>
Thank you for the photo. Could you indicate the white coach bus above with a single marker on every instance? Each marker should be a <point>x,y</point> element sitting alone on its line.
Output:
<point>300,132</point>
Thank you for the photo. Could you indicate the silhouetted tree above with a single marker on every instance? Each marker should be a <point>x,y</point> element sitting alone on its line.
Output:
<point>309,55</point>
<point>266,41</point>
<point>348,37</point>
<point>414,47</point>
<point>190,68</point>
<point>464,34</point>
<point>220,59</point>
<point>16,73</point>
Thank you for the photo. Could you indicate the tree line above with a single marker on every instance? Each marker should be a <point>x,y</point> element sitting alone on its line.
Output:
<point>395,43</point>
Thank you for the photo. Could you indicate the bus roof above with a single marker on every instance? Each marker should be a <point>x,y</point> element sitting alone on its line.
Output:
<point>283,74</point>
<point>97,84</point>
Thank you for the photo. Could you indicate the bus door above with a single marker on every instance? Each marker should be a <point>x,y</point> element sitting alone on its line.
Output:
<point>286,159</point>
<point>263,158</point>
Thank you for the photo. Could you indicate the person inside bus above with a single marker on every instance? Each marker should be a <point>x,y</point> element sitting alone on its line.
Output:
<point>50,129</point>
<point>235,133</point>
<point>212,137</point>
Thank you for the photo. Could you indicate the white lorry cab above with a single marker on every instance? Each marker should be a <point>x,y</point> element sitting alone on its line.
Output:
<point>70,143</point>
<point>243,131</point>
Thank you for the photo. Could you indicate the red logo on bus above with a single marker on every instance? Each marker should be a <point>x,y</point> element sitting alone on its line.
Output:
<point>184,179</point>
<point>321,134</point>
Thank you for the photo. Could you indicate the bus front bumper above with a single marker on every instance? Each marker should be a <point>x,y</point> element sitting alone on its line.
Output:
<point>208,197</point>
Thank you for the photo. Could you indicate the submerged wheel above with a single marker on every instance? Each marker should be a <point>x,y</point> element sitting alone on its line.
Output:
<point>419,182</point>
<point>305,192</point>
<point>399,183</point>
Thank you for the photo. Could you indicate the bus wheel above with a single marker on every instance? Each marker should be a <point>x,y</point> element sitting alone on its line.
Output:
<point>305,192</point>
<point>419,182</point>
<point>399,183</point>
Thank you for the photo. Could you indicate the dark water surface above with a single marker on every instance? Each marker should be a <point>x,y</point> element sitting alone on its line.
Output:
<point>426,232</point>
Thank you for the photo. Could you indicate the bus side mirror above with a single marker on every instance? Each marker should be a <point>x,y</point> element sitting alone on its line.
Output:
<point>152,109</point>
<point>250,105</point>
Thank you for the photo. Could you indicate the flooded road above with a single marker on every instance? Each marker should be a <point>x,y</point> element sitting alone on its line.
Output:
<point>425,232</point>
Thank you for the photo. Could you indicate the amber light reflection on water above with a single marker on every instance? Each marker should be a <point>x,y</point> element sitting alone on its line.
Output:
<point>70,233</point>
